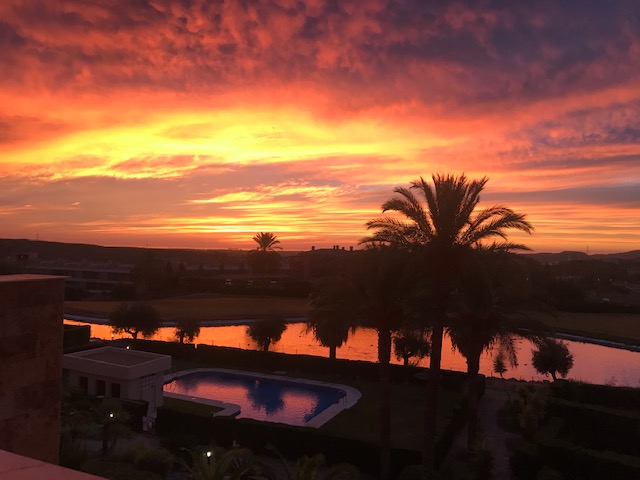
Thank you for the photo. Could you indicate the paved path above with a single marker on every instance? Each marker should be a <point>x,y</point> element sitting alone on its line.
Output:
<point>494,398</point>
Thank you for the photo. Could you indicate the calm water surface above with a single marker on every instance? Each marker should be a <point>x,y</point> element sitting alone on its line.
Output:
<point>592,363</point>
<point>260,398</point>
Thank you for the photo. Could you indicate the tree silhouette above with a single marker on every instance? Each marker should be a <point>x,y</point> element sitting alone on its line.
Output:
<point>411,343</point>
<point>552,357</point>
<point>187,329</point>
<point>266,241</point>
<point>218,464</point>
<point>442,234</point>
<point>479,321</point>
<point>134,319</point>
<point>332,314</point>
<point>264,259</point>
<point>379,278</point>
<point>266,331</point>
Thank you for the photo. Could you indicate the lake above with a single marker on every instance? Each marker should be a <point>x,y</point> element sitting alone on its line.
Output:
<point>592,363</point>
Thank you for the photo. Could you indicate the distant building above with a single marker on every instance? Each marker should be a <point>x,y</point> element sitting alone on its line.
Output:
<point>90,277</point>
<point>322,262</point>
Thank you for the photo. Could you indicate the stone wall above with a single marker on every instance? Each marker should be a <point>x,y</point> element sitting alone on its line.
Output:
<point>31,318</point>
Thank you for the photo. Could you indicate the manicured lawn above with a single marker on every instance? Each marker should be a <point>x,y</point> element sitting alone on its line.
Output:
<point>610,326</point>
<point>204,307</point>
<point>221,307</point>
<point>362,421</point>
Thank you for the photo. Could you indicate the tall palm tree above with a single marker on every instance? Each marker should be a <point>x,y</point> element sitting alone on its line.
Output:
<point>379,275</point>
<point>443,233</point>
<point>264,259</point>
<point>479,323</point>
<point>266,241</point>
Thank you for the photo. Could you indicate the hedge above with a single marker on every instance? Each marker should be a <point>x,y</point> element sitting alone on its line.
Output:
<point>577,462</point>
<point>237,358</point>
<point>605,395</point>
<point>598,428</point>
<point>294,442</point>
<point>75,335</point>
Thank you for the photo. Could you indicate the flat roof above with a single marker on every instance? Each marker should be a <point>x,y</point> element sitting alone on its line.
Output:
<point>116,362</point>
<point>118,356</point>
<point>27,277</point>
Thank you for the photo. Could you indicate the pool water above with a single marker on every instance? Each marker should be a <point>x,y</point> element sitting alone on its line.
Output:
<point>261,397</point>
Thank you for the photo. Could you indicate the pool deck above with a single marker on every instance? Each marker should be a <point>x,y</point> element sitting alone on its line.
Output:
<point>351,397</point>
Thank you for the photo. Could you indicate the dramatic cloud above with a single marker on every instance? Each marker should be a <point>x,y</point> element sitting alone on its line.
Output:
<point>199,123</point>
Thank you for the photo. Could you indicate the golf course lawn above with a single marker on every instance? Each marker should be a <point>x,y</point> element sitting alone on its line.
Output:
<point>203,307</point>
<point>212,307</point>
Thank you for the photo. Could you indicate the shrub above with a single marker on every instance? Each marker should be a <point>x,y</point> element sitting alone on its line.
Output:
<point>605,395</point>
<point>599,428</point>
<point>577,462</point>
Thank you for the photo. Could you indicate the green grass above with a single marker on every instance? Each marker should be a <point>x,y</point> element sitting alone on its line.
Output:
<point>362,421</point>
<point>204,307</point>
<point>619,327</point>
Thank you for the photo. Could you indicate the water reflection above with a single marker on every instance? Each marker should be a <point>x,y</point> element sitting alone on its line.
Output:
<point>265,397</point>
<point>592,363</point>
<point>260,398</point>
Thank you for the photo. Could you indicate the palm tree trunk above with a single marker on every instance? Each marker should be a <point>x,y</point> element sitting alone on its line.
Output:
<point>332,351</point>
<point>431,404</point>
<point>473,367</point>
<point>384,356</point>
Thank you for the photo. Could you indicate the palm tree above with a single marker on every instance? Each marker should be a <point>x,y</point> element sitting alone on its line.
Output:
<point>264,259</point>
<point>266,331</point>
<point>266,241</point>
<point>378,276</point>
<point>442,234</point>
<point>218,464</point>
<point>411,343</point>
<point>478,324</point>
<point>332,314</point>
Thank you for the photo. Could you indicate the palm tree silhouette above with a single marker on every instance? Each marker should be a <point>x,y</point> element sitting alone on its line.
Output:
<point>264,259</point>
<point>266,241</point>
<point>442,234</point>
<point>479,322</point>
<point>380,284</point>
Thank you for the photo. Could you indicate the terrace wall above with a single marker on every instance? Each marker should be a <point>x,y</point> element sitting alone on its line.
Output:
<point>31,316</point>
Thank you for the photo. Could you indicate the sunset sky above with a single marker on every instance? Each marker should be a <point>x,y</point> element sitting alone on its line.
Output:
<point>198,123</point>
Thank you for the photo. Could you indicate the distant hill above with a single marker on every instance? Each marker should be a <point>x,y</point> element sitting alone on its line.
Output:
<point>569,256</point>
<point>78,252</point>
<point>632,255</point>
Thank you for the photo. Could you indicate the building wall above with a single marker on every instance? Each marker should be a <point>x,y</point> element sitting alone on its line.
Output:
<point>31,318</point>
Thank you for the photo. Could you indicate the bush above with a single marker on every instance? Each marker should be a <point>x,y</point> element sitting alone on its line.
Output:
<point>75,336</point>
<point>605,395</point>
<point>524,459</point>
<point>156,460</point>
<point>599,428</point>
<point>577,462</point>
<point>117,470</point>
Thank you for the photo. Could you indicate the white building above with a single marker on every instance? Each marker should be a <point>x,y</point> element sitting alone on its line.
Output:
<point>119,373</point>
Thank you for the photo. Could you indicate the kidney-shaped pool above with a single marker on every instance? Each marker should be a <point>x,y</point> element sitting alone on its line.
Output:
<point>273,398</point>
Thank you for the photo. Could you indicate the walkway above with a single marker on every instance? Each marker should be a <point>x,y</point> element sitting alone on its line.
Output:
<point>495,438</point>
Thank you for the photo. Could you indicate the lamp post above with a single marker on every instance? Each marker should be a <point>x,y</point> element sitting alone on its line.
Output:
<point>208,457</point>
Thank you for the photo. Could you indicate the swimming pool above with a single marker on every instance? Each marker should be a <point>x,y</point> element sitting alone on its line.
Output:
<point>273,398</point>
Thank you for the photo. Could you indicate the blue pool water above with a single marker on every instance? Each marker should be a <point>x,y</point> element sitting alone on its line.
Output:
<point>259,397</point>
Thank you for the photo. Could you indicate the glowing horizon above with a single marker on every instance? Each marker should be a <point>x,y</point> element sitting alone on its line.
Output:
<point>196,126</point>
